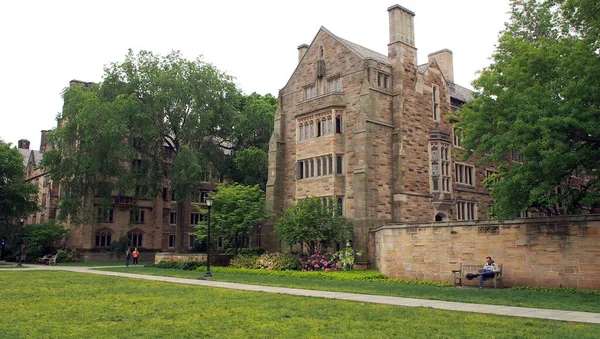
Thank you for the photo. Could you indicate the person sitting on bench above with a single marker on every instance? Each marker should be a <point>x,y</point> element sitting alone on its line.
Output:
<point>488,272</point>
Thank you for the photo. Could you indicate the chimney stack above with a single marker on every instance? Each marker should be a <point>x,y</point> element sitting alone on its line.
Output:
<point>23,144</point>
<point>402,27</point>
<point>301,51</point>
<point>445,61</point>
<point>43,141</point>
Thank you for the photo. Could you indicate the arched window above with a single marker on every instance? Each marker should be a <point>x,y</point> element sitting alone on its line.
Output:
<point>440,217</point>
<point>135,238</point>
<point>321,52</point>
<point>103,238</point>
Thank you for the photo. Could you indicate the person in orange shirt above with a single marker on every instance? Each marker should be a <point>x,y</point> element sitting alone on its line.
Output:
<point>136,254</point>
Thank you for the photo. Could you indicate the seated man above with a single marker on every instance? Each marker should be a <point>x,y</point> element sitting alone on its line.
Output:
<point>488,272</point>
<point>46,259</point>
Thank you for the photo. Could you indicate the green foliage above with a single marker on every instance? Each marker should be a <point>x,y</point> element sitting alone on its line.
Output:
<point>18,198</point>
<point>177,265</point>
<point>236,213</point>
<point>44,234</point>
<point>346,257</point>
<point>34,254</point>
<point>119,247</point>
<point>67,255</point>
<point>540,98</point>
<point>266,261</point>
<point>245,261</point>
<point>251,167</point>
<point>248,251</point>
<point>313,222</point>
<point>118,136</point>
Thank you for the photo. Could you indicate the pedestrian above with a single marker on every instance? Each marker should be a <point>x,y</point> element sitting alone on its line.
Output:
<point>127,257</point>
<point>136,254</point>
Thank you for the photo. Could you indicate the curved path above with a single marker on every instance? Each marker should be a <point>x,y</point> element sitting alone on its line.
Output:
<point>573,316</point>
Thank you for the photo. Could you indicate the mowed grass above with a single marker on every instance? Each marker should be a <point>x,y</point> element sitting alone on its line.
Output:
<point>58,304</point>
<point>508,297</point>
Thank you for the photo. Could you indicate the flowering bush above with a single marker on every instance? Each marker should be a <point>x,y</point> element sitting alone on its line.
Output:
<point>318,262</point>
<point>345,258</point>
<point>279,261</point>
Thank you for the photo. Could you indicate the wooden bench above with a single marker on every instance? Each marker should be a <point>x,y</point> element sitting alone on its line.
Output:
<point>461,274</point>
<point>48,260</point>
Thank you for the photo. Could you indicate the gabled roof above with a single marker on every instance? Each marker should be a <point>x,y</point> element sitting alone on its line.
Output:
<point>25,153</point>
<point>361,51</point>
<point>461,93</point>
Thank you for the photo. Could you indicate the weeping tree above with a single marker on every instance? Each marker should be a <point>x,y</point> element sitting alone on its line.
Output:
<point>540,99</point>
<point>151,122</point>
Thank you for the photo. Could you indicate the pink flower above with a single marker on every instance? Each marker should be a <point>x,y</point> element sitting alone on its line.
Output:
<point>316,266</point>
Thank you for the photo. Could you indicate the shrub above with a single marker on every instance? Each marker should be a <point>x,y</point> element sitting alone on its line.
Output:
<point>67,255</point>
<point>245,261</point>
<point>33,254</point>
<point>345,258</point>
<point>279,261</point>
<point>556,289</point>
<point>177,265</point>
<point>252,251</point>
<point>318,262</point>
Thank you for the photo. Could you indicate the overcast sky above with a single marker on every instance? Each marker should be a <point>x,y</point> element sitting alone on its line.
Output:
<point>45,44</point>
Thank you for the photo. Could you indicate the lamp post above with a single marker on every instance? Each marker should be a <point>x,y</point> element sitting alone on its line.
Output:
<point>20,241</point>
<point>209,203</point>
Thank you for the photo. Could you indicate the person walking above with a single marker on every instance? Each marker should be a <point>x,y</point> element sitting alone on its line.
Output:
<point>127,257</point>
<point>135,254</point>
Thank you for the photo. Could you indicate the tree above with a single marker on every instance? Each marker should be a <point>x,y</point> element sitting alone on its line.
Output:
<point>247,162</point>
<point>44,234</point>
<point>236,213</point>
<point>18,198</point>
<point>153,118</point>
<point>314,222</point>
<point>540,99</point>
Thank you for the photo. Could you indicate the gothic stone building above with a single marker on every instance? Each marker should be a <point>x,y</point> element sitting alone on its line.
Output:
<point>373,131</point>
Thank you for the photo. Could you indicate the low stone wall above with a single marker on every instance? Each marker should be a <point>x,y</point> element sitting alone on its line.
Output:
<point>560,251</point>
<point>181,257</point>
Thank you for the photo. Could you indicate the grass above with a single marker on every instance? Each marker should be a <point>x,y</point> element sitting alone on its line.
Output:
<point>509,297</point>
<point>93,264</point>
<point>58,304</point>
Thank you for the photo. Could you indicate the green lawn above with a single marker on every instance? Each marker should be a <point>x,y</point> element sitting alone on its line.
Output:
<point>509,297</point>
<point>93,264</point>
<point>55,304</point>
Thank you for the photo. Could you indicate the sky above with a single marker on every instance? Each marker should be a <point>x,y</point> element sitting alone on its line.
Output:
<point>45,44</point>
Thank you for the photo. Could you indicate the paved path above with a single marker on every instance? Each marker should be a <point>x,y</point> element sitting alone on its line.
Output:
<point>573,316</point>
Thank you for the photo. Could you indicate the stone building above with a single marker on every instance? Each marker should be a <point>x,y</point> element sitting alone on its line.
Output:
<point>150,226</point>
<point>373,131</point>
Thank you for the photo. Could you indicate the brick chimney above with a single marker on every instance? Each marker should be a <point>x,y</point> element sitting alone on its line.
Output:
<point>445,61</point>
<point>301,51</point>
<point>23,144</point>
<point>402,26</point>
<point>43,141</point>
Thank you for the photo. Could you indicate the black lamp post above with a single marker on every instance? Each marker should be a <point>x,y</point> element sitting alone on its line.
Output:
<point>20,241</point>
<point>209,203</point>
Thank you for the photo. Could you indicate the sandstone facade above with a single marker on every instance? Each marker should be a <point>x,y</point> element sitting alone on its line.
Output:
<point>556,252</point>
<point>373,132</point>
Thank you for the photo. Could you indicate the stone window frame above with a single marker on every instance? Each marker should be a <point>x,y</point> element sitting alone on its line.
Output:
<point>195,218</point>
<point>172,217</point>
<point>334,84</point>
<point>138,217</point>
<point>466,210</point>
<point>440,169</point>
<point>171,240</point>
<point>464,174</point>
<point>458,136</point>
<point>103,234</point>
<point>105,216</point>
<point>135,238</point>
<point>318,166</point>
<point>435,96</point>
<point>191,240</point>
<point>383,79</point>
<point>310,91</point>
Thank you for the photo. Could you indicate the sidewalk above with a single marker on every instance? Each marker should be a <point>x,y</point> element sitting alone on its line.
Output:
<point>572,316</point>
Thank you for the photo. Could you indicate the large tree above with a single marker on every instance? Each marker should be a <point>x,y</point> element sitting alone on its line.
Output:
<point>236,214</point>
<point>152,119</point>
<point>313,222</point>
<point>540,99</point>
<point>18,199</point>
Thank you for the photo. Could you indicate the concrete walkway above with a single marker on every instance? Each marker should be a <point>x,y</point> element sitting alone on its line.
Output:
<point>573,316</point>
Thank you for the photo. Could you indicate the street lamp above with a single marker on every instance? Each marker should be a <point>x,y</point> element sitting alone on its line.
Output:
<point>20,241</point>
<point>209,203</point>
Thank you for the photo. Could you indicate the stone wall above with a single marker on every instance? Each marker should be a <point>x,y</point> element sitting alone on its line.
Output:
<point>560,251</point>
